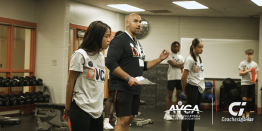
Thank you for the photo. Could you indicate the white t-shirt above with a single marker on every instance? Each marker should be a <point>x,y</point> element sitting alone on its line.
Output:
<point>196,72</point>
<point>247,79</point>
<point>89,85</point>
<point>174,73</point>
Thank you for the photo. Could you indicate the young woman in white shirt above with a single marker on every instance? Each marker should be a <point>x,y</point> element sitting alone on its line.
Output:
<point>86,80</point>
<point>174,74</point>
<point>194,75</point>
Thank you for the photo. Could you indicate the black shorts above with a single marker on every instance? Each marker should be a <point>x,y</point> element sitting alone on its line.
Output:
<point>126,104</point>
<point>248,91</point>
<point>171,84</point>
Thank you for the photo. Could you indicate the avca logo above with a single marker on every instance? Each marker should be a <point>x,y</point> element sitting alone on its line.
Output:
<point>96,74</point>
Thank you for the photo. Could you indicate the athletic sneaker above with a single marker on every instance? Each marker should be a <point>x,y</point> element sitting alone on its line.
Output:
<point>179,116</point>
<point>242,119</point>
<point>107,125</point>
<point>168,117</point>
<point>249,119</point>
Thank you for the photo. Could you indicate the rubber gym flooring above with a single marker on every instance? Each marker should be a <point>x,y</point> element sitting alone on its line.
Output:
<point>205,124</point>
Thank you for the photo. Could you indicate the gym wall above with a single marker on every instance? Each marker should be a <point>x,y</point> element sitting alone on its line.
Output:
<point>166,29</point>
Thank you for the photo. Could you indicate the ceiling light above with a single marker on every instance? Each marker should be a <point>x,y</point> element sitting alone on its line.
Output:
<point>258,2</point>
<point>126,7</point>
<point>190,4</point>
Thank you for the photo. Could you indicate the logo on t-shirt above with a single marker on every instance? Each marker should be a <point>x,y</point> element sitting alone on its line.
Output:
<point>246,68</point>
<point>95,74</point>
<point>90,63</point>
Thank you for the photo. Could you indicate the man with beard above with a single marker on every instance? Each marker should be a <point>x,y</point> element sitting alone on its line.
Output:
<point>126,60</point>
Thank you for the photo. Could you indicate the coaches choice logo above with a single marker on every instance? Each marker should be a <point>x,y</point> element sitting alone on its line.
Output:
<point>189,112</point>
<point>95,74</point>
<point>240,113</point>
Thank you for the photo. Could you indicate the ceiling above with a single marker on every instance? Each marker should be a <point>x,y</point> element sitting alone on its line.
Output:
<point>217,8</point>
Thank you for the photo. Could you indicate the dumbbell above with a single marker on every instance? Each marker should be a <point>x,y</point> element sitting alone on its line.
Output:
<point>40,97</point>
<point>27,81</point>
<point>13,99</point>
<point>21,81</point>
<point>20,98</point>
<point>39,81</point>
<point>6,100</point>
<point>6,82</point>
<point>27,98</point>
<point>1,81</point>
<point>33,80</point>
<point>33,97</point>
<point>1,101</point>
<point>14,81</point>
<point>46,98</point>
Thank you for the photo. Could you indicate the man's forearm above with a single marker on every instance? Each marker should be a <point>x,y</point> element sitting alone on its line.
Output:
<point>120,73</point>
<point>151,64</point>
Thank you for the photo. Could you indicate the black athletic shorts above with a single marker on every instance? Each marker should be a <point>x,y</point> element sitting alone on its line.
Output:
<point>126,104</point>
<point>171,84</point>
<point>248,91</point>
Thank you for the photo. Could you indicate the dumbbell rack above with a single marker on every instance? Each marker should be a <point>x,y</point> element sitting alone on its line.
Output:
<point>18,109</point>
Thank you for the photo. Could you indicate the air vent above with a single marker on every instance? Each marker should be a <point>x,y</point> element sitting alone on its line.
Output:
<point>160,11</point>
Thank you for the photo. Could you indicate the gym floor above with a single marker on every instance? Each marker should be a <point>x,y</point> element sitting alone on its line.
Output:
<point>205,124</point>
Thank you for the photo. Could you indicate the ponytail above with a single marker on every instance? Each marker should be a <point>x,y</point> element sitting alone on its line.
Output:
<point>195,42</point>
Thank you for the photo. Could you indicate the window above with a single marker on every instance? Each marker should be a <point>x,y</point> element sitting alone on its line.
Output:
<point>17,51</point>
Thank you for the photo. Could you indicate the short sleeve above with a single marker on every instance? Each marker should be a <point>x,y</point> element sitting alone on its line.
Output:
<point>240,67</point>
<point>77,62</point>
<point>257,69</point>
<point>169,57</point>
<point>188,64</point>
<point>182,58</point>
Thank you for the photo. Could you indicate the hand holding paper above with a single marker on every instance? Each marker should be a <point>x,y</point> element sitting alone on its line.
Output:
<point>144,81</point>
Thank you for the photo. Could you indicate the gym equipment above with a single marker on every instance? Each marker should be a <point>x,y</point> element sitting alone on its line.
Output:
<point>8,121</point>
<point>210,96</point>
<point>50,110</point>
<point>253,72</point>
<point>39,81</point>
<point>14,81</point>
<point>204,96</point>
<point>21,81</point>
<point>6,100</point>
<point>233,93</point>
<point>182,95</point>
<point>208,84</point>
<point>27,98</point>
<point>1,81</point>
<point>33,80</point>
<point>6,82</point>
<point>46,98</point>
<point>228,82</point>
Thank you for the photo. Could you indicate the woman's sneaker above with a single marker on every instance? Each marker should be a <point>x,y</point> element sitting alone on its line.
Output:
<point>168,117</point>
<point>107,125</point>
<point>249,119</point>
<point>242,119</point>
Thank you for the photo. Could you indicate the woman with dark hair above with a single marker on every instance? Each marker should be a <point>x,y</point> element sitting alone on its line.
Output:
<point>109,100</point>
<point>194,75</point>
<point>85,84</point>
<point>174,74</point>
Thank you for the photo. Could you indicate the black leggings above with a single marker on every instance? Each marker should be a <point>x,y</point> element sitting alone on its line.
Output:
<point>194,97</point>
<point>82,121</point>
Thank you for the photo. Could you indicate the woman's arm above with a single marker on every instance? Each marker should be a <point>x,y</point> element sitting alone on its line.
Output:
<point>183,81</point>
<point>69,89</point>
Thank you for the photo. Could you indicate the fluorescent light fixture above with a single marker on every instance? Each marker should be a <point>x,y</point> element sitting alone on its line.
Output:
<point>126,7</point>
<point>258,2</point>
<point>190,4</point>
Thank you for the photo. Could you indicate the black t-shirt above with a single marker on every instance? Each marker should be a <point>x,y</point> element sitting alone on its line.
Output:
<point>125,52</point>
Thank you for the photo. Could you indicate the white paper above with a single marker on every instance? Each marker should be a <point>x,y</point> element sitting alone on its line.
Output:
<point>144,81</point>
